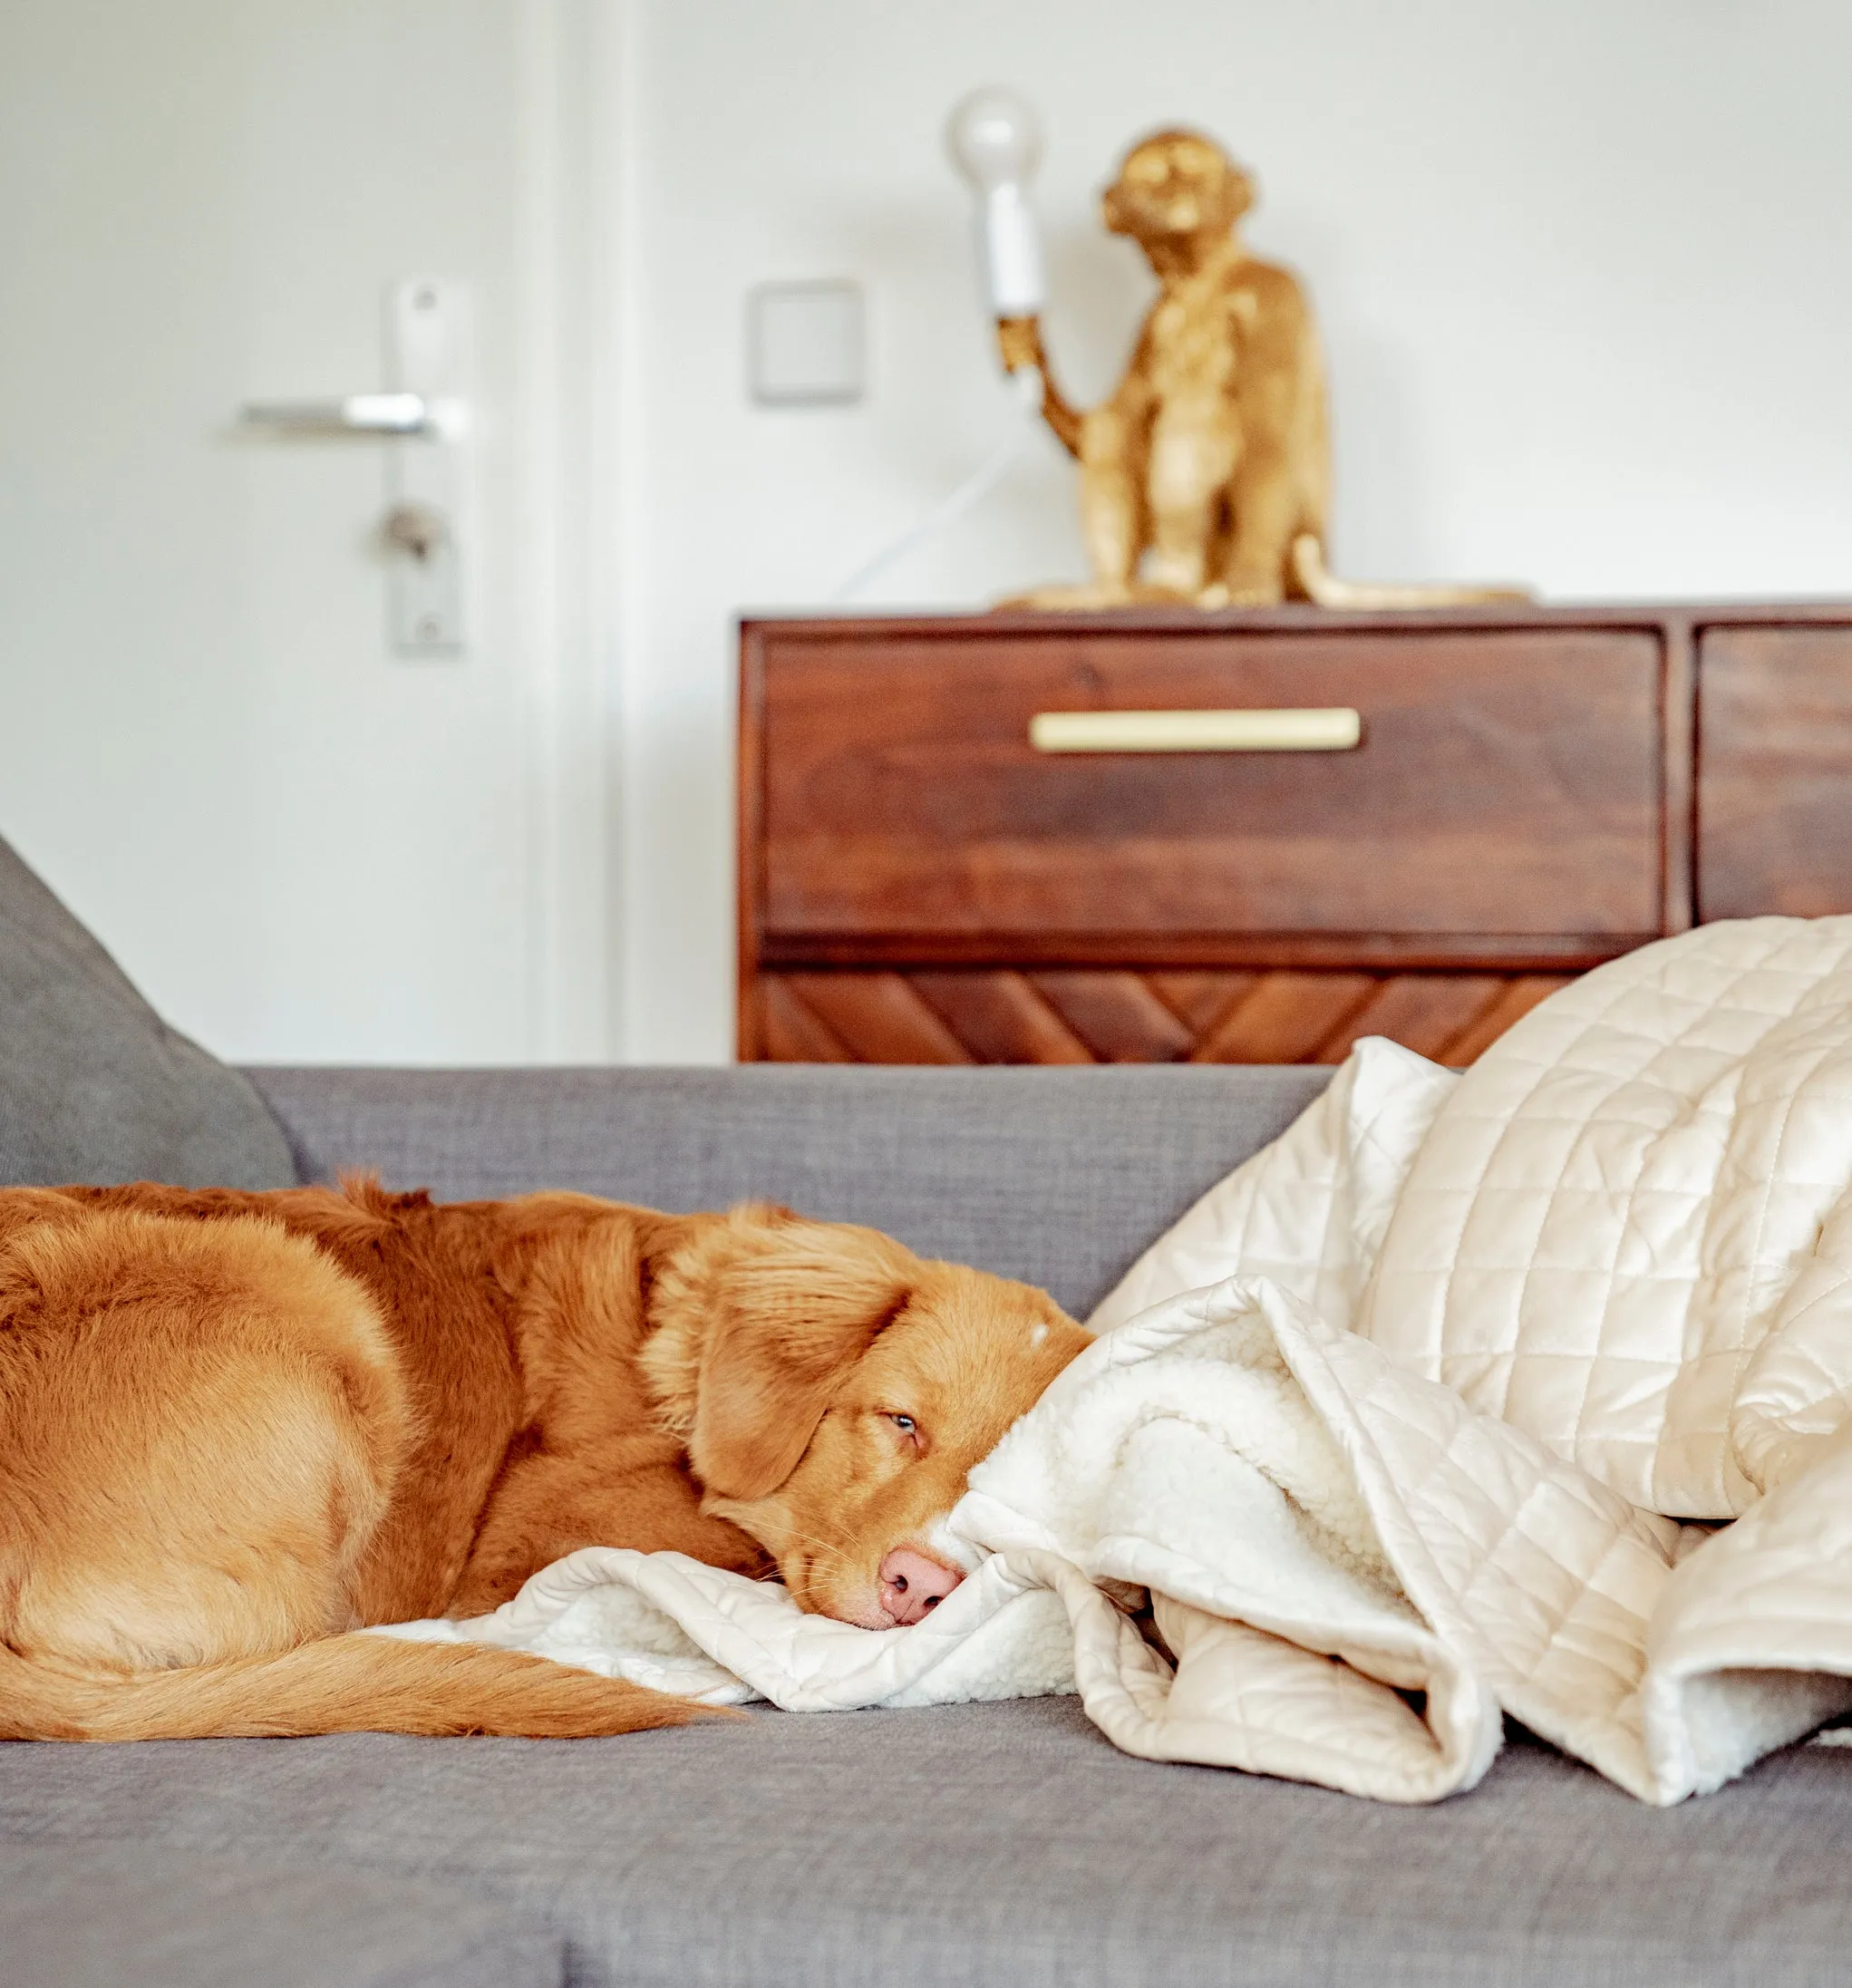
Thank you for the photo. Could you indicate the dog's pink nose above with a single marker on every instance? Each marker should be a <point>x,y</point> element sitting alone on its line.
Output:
<point>913,1585</point>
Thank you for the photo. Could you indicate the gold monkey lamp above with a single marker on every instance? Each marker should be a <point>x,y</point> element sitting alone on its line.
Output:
<point>1205,477</point>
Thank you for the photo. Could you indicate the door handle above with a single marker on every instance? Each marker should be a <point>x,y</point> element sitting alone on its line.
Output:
<point>423,420</point>
<point>356,414</point>
<point>1337,729</point>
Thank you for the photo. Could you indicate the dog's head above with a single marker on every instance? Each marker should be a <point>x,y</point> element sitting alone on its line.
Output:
<point>834,1392</point>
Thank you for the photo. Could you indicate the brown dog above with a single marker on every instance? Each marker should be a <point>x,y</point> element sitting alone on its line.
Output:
<point>235,1426</point>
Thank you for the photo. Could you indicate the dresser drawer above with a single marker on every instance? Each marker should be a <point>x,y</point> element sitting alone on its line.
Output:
<point>1774,771</point>
<point>1506,782</point>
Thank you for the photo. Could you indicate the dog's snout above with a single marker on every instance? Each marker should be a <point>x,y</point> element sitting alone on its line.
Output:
<point>914,1584</point>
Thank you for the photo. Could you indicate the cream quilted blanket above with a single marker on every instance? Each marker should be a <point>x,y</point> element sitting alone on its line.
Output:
<point>1521,1392</point>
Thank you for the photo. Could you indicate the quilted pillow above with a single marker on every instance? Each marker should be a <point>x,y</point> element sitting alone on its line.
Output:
<point>94,1087</point>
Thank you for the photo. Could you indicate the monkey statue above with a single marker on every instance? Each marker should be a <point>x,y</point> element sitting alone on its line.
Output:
<point>1205,477</point>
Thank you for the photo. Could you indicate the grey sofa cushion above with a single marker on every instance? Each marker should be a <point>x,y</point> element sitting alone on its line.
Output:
<point>93,1085</point>
<point>1008,1847</point>
<point>122,1915</point>
<point>1058,1177</point>
<point>975,1846</point>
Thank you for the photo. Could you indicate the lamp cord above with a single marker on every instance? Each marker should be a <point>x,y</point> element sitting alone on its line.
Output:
<point>1026,385</point>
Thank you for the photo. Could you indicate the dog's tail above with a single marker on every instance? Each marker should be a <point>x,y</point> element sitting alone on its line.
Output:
<point>348,1684</point>
<point>1322,588</point>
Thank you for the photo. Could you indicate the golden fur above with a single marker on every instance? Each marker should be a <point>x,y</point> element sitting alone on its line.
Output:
<point>236,1427</point>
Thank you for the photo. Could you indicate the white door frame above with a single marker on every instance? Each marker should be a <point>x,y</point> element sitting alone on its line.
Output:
<point>570,73</point>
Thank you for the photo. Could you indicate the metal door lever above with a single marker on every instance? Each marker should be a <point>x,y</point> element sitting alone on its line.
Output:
<point>356,414</point>
<point>423,420</point>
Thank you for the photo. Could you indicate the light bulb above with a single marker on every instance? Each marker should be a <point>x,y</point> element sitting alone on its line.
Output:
<point>994,138</point>
<point>995,142</point>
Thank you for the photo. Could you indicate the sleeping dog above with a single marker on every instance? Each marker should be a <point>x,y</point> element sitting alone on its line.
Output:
<point>235,1427</point>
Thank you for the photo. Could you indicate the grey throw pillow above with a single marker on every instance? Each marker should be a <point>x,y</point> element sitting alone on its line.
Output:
<point>93,1085</point>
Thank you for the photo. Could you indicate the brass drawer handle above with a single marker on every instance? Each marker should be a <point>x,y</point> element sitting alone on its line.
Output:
<point>1335,730</point>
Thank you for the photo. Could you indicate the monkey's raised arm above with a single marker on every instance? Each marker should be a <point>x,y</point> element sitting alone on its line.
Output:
<point>1019,339</point>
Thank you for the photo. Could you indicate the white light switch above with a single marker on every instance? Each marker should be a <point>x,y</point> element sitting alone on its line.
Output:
<point>804,344</point>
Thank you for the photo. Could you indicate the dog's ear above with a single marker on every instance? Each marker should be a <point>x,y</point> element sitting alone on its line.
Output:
<point>795,1305</point>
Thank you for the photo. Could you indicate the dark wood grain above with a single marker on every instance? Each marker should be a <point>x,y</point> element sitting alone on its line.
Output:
<point>1509,782</point>
<point>1516,998</point>
<point>1539,788</point>
<point>963,1015</point>
<point>1119,1019</point>
<point>1300,617</point>
<point>1200,1000</point>
<point>1423,1011</point>
<point>1000,1018</point>
<point>790,1032</point>
<point>879,1017</point>
<point>1680,724</point>
<point>750,1013</point>
<point>1527,952</point>
<point>1775,771</point>
<point>1285,1018</point>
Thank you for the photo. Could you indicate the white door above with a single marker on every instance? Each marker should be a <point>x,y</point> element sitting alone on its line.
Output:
<point>301,843</point>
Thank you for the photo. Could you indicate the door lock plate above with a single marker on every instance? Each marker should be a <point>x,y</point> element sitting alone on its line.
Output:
<point>427,485</point>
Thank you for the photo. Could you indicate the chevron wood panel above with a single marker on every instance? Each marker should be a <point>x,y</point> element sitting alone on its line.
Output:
<point>1000,1018</point>
<point>1116,1015</point>
<point>1200,1000</point>
<point>795,1033</point>
<point>1516,999</point>
<point>1423,1012</point>
<point>985,1015</point>
<point>878,1017</point>
<point>1285,1018</point>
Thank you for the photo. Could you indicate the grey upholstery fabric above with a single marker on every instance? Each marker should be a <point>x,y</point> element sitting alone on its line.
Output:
<point>121,1915</point>
<point>93,1085</point>
<point>1008,1847</point>
<point>978,1847</point>
<point>1058,1177</point>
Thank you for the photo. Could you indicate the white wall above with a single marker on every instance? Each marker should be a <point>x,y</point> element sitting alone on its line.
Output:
<point>1583,272</point>
<point>300,845</point>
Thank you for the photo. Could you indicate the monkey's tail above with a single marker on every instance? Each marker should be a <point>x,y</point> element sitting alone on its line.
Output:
<point>1324,589</point>
<point>347,1683</point>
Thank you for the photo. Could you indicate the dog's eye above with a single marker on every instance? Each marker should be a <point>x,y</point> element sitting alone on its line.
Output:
<point>906,1426</point>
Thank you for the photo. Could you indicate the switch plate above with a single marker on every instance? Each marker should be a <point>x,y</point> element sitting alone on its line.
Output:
<point>805,344</point>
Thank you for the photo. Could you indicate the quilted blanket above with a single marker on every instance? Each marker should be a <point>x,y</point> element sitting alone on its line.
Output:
<point>1523,1391</point>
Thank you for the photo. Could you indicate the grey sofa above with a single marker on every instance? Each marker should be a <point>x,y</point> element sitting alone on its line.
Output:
<point>1000,1845</point>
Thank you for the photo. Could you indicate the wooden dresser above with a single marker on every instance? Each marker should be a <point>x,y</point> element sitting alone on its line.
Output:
<point>1530,791</point>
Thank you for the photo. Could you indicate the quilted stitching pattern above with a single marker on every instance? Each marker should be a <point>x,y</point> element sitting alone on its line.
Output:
<point>1607,1276</point>
<point>1602,1226</point>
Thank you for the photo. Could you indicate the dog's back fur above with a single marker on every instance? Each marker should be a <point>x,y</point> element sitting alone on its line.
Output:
<point>236,1427</point>
<point>341,1381</point>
